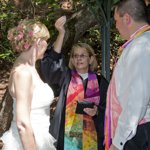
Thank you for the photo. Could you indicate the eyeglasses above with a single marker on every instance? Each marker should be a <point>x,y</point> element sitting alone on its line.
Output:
<point>82,56</point>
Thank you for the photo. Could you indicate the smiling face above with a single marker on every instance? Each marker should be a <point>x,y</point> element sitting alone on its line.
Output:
<point>81,60</point>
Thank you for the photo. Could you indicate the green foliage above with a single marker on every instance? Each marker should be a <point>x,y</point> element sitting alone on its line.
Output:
<point>115,1</point>
<point>8,18</point>
<point>45,11</point>
<point>10,15</point>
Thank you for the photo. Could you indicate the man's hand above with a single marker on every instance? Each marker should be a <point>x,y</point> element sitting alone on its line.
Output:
<point>112,147</point>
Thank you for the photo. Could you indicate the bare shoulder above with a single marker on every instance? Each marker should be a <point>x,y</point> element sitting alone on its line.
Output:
<point>22,73</point>
<point>23,79</point>
<point>20,77</point>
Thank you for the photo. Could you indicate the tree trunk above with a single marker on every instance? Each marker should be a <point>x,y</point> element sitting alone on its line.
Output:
<point>5,112</point>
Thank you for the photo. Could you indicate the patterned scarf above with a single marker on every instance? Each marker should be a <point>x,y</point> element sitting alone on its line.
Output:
<point>80,132</point>
<point>111,95</point>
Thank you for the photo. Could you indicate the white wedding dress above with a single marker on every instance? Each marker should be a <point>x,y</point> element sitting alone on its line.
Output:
<point>40,115</point>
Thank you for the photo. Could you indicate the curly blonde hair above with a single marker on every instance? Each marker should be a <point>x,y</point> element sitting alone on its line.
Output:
<point>93,66</point>
<point>23,36</point>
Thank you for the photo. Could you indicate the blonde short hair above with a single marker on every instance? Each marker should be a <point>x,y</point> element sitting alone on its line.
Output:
<point>23,36</point>
<point>90,51</point>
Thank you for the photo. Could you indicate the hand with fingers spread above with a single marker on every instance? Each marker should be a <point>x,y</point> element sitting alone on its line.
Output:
<point>91,111</point>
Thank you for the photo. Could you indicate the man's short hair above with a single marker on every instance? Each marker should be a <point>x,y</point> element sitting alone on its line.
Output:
<point>135,8</point>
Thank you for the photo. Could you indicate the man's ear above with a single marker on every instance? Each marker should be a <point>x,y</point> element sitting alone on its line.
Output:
<point>127,19</point>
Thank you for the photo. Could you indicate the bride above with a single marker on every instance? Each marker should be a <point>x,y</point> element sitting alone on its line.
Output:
<point>31,96</point>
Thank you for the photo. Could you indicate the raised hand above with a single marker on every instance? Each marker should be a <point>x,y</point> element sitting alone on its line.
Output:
<point>59,24</point>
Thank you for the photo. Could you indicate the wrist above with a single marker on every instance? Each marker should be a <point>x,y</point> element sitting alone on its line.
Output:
<point>62,33</point>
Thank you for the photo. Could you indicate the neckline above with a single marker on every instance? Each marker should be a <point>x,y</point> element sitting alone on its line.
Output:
<point>136,34</point>
<point>83,75</point>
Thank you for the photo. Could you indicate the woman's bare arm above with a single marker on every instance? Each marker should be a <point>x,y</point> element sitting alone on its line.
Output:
<point>23,86</point>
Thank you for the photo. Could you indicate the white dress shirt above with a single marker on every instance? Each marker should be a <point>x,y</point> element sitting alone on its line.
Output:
<point>132,79</point>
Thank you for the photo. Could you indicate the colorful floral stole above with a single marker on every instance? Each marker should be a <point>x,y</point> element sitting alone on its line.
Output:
<point>81,127</point>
